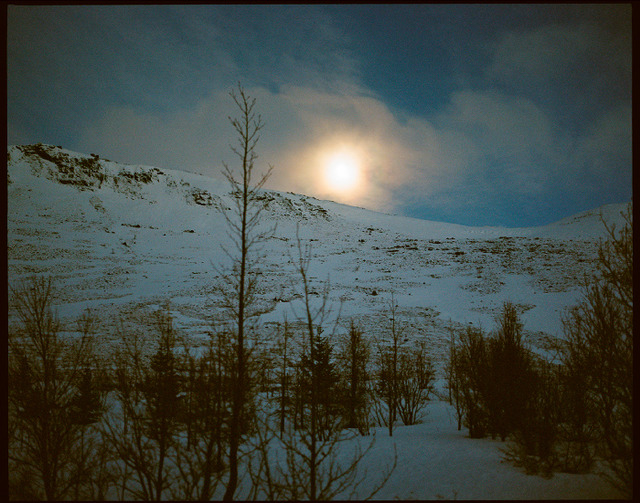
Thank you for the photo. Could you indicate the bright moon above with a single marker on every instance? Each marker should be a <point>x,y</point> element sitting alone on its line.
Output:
<point>342,171</point>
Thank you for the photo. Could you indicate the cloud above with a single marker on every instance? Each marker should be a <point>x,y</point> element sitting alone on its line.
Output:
<point>508,126</point>
<point>552,116</point>
<point>71,65</point>
<point>484,145</point>
<point>578,66</point>
<point>605,151</point>
<point>512,137</point>
<point>301,124</point>
<point>189,139</point>
<point>541,54</point>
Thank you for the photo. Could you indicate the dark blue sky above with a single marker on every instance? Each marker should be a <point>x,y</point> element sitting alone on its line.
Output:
<point>512,115</point>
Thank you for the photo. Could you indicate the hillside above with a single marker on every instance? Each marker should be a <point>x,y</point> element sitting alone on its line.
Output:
<point>123,240</point>
<point>132,236</point>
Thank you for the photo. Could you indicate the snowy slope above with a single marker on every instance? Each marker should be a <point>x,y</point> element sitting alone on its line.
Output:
<point>123,240</point>
<point>115,235</point>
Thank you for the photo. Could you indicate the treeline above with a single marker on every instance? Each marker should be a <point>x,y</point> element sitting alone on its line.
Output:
<point>569,410</point>
<point>152,420</point>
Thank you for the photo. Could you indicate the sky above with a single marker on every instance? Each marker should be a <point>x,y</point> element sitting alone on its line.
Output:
<point>499,115</point>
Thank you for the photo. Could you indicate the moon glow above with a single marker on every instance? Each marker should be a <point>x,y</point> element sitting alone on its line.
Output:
<point>342,171</point>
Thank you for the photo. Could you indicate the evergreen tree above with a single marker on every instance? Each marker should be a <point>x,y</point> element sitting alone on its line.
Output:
<point>353,356</point>
<point>143,429</point>
<point>161,392</point>
<point>318,369</point>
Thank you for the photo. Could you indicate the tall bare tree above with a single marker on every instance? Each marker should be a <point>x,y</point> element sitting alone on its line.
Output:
<point>314,319</point>
<point>239,292</point>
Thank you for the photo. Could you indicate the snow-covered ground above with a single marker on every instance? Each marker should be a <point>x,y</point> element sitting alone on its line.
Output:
<point>436,461</point>
<point>123,240</point>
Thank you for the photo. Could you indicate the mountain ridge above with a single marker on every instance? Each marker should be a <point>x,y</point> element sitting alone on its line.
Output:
<point>88,171</point>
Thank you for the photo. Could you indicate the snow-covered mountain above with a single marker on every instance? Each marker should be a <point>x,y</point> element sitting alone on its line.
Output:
<point>124,239</point>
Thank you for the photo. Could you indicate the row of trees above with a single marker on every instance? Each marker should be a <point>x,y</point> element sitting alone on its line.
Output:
<point>154,419</point>
<point>156,422</point>
<point>565,411</point>
<point>359,383</point>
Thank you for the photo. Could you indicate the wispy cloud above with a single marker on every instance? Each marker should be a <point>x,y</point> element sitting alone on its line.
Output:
<point>514,139</point>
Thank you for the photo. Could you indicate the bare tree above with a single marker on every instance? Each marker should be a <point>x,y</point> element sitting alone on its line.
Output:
<point>511,376</point>
<point>533,442</point>
<point>314,320</point>
<point>471,371</point>
<point>283,471</point>
<point>414,384</point>
<point>284,375</point>
<point>494,379</point>
<point>93,473</point>
<point>161,388</point>
<point>388,361</point>
<point>577,431</point>
<point>599,334</point>
<point>142,429</point>
<point>200,464</point>
<point>46,380</point>
<point>239,292</point>
<point>454,374</point>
